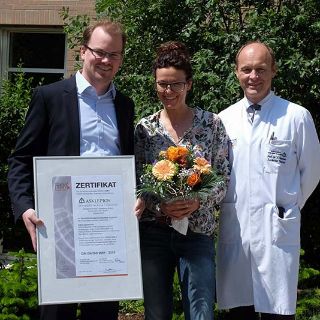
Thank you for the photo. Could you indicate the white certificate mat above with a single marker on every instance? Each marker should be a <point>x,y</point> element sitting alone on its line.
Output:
<point>89,249</point>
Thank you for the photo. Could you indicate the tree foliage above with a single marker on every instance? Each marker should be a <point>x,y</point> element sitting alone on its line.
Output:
<point>14,100</point>
<point>214,30</point>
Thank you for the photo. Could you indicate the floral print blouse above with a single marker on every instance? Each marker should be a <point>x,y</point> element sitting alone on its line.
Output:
<point>207,134</point>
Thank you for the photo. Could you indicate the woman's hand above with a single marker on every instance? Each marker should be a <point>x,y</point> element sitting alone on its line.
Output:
<point>139,207</point>
<point>180,208</point>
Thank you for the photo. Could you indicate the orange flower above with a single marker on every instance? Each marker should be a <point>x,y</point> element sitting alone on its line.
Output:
<point>164,170</point>
<point>202,165</point>
<point>193,179</point>
<point>177,154</point>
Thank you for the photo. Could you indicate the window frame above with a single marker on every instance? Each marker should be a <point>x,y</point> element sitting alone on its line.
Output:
<point>5,50</point>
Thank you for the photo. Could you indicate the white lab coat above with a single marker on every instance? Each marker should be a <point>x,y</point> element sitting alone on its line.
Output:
<point>275,163</point>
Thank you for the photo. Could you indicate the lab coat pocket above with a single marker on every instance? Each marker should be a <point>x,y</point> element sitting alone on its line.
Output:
<point>286,230</point>
<point>276,155</point>
<point>229,227</point>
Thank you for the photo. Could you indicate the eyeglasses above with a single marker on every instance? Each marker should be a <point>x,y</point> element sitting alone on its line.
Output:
<point>174,86</point>
<point>100,54</point>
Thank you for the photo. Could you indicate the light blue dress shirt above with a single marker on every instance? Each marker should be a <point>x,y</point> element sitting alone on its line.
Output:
<point>99,134</point>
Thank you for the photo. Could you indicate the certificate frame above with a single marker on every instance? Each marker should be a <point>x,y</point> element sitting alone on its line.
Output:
<point>54,289</point>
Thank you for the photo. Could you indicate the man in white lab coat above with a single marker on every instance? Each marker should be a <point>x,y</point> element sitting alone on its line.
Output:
<point>275,159</point>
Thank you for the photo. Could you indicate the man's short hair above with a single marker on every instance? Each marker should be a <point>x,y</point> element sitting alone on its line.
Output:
<point>108,26</point>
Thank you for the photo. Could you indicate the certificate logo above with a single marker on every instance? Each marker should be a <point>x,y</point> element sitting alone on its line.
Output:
<point>62,186</point>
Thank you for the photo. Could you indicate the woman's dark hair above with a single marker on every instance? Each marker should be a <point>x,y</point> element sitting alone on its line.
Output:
<point>173,54</point>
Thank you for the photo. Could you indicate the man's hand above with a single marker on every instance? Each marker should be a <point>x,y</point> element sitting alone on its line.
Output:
<point>31,222</point>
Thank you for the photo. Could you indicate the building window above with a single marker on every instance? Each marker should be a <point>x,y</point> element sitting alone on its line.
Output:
<point>41,54</point>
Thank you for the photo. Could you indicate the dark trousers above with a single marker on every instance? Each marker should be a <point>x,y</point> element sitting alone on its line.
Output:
<point>248,313</point>
<point>89,311</point>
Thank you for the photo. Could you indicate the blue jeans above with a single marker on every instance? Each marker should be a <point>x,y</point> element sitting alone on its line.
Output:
<point>162,250</point>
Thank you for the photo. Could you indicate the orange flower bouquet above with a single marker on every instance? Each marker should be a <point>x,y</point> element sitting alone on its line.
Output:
<point>178,173</point>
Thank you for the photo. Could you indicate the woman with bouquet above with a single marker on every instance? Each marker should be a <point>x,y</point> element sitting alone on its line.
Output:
<point>182,167</point>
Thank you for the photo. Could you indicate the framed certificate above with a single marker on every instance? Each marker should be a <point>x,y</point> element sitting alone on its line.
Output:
<point>88,249</point>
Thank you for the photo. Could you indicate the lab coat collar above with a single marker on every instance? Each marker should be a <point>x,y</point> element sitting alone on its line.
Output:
<point>263,102</point>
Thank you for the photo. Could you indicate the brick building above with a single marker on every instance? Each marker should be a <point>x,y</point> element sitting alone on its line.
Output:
<point>31,33</point>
